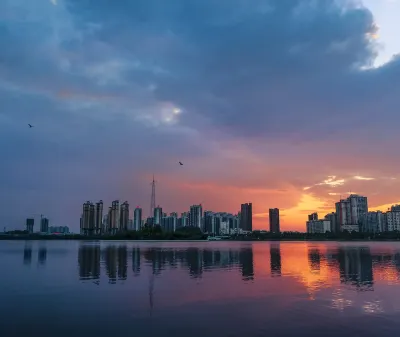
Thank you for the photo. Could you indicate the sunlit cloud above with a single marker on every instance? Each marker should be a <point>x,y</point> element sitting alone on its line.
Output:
<point>332,181</point>
<point>363,178</point>
<point>342,193</point>
<point>54,2</point>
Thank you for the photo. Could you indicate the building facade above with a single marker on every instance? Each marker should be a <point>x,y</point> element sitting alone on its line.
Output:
<point>318,226</point>
<point>246,217</point>
<point>195,216</point>
<point>44,225</point>
<point>30,223</point>
<point>113,218</point>
<point>137,219</point>
<point>158,215</point>
<point>313,216</point>
<point>88,218</point>
<point>376,222</point>
<point>352,213</point>
<point>274,224</point>
<point>169,223</point>
<point>332,218</point>
<point>98,218</point>
<point>124,217</point>
<point>59,229</point>
<point>392,221</point>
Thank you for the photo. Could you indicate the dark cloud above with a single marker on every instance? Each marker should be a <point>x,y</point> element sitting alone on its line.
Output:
<point>278,67</point>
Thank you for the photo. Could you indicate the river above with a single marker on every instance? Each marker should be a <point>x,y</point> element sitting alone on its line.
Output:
<point>180,289</point>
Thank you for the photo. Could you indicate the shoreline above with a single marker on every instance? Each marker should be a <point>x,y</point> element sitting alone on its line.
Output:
<point>79,238</point>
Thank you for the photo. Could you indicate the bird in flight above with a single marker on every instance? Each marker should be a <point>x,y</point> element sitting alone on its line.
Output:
<point>180,163</point>
<point>30,126</point>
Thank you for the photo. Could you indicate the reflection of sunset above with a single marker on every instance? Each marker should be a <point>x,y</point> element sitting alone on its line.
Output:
<point>296,263</point>
<point>343,276</point>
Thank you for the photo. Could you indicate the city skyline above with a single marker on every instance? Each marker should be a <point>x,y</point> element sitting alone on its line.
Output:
<point>351,214</point>
<point>228,94</point>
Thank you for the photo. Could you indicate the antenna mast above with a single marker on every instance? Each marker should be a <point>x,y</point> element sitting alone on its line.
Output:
<point>153,197</point>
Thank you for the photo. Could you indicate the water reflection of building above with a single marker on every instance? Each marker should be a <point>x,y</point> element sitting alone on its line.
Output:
<point>116,263</point>
<point>314,259</point>
<point>136,261</point>
<point>89,262</point>
<point>110,260</point>
<point>194,261</point>
<point>275,260</point>
<point>28,254</point>
<point>42,255</point>
<point>246,263</point>
<point>122,263</point>
<point>355,266</point>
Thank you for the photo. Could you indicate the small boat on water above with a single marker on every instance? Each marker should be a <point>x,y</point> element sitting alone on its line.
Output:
<point>214,238</point>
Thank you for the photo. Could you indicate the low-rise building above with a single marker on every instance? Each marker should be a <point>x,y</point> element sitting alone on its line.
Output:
<point>318,226</point>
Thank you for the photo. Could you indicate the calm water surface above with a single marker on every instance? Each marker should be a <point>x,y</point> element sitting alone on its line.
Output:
<point>120,288</point>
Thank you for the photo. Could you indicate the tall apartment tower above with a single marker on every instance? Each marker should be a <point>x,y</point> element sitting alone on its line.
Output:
<point>195,216</point>
<point>246,217</point>
<point>113,217</point>
<point>87,220</point>
<point>158,215</point>
<point>124,217</point>
<point>30,222</point>
<point>274,225</point>
<point>352,213</point>
<point>137,219</point>
<point>98,218</point>
<point>44,225</point>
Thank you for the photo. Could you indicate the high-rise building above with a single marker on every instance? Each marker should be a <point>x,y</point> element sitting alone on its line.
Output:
<point>158,214</point>
<point>169,223</point>
<point>274,225</point>
<point>137,219</point>
<point>30,222</point>
<point>130,225</point>
<point>332,217</point>
<point>150,222</point>
<point>352,213</point>
<point>87,220</point>
<point>392,222</point>
<point>376,222</point>
<point>212,223</point>
<point>246,217</point>
<point>195,216</point>
<point>44,225</point>
<point>104,227</point>
<point>98,218</point>
<point>113,217</point>
<point>124,217</point>
<point>184,219</point>
<point>313,216</point>
<point>395,208</point>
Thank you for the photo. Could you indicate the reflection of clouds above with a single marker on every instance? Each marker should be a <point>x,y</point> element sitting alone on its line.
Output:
<point>373,307</point>
<point>339,302</point>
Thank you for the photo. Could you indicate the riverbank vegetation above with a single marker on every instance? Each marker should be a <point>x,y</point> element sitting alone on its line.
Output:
<point>194,233</point>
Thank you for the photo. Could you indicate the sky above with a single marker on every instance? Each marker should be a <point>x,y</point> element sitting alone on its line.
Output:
<point>282,103</point>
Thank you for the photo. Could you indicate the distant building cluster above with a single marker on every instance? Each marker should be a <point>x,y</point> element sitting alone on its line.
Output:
<point>117,219</point>
<point>44,227</point>
<point>352,215</point>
